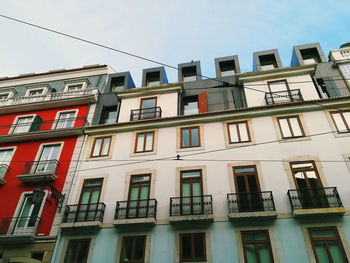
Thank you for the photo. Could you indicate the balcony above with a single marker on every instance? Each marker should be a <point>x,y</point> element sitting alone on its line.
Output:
<point>18,230</point>
<point>317,201</point>
<point>3,171</point>
<point>285,96</point>
<point>136,212</point>
<point>146,113</point>
<point>39,129</point>
<point>39,171</point>
<point>191,209</point>
<point>83,216</point>
<point>251,205</point>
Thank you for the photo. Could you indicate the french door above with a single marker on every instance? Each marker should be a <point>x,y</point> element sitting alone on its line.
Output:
<point>48,156</point>
<point>88,209</point>
<point>148,108</point>
<point>138,200</point>
<point>191,201</point>
<point>65,120</point>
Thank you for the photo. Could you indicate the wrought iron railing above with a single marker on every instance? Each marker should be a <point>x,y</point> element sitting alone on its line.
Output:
<point>283,96</point>
<point>36,167</point>
<point>314,198</point>
<point>146,208</point>
<point>84,213</point>
<point>250,202</point>
<point>44,125</point>
<point>3,170</point>
<point>19,225</point>
<point>49,97</point>
<point>146,113</point>
<point>191,205</point>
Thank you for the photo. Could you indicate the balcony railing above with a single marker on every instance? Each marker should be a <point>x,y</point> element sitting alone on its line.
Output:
<point>3,170</point>
<point>314,198</point>
<point>84,213</point>
<point>191,205</point>
<point>49,97</point>
<point>146,113</point>
<point>37,167</point>
<point>283,96</point>
<point>250,202</point>
<point>44,125</point>
<point>19,225</point>
<point>146,208</point>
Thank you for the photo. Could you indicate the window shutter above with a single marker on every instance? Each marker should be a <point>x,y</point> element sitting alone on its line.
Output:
<point>202,102</point>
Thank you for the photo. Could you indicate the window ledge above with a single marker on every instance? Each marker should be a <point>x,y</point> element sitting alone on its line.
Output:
<point>86,225</point>
<point>17,239</point>
<point>298,139</point>
<point>319,211</point>
<point>135,221</point>
<point>239,144</point>
<point>341,134</point>
<point>189,149</point>
<point>252,215</point>
<point>142,154</point>
<point>37,177</point>
<point>191,218</point>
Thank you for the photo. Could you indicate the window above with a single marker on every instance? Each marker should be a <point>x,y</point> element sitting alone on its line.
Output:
<point>5,156</point>
<point>47,161</point>
<point>290,127</point>
<point>4,96</point>
<point>279,85</point>
<point>257,246</point>
<point>192,247</point>
<point>133,249</point>
<point>35,92</point>
<point>144,142</point>
<point>268,62</point>
<point>101,146</point>
<point>139,190</point>
<point>341,120</point>
<point>191,105</point>
<point>77,251</point>
<point>74,87</point>
<point>118,83</point>
<point>148,108</point>
<point>227,68</point>
<point>23,124</point>
<point>109,115</point>
<point>190,137</point>
<point>310,56</point>
<point>153,78</point>
<point>65,120</point>
<point>91,191</point>
<point>189,73</point>
<point>326,244</point>
<point>191,183</point>
<point>238,132</point>
<point>38,255</point>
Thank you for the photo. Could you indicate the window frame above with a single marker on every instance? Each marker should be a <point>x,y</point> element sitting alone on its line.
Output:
<point>290,127</point>
<point>44,88</point>
<point>255,242</point>
<point>131,183</point>
<point>315,169</point>
<point>192,259</point>
<point>347,125</point>
<point>323,239</point>
<point>144,141</point>
<point>75,83</point>
<point>134,238</point>
<point>190,137</point>
<point>58,114</point>
<point>94,144</point>
<point>15,121</point>
<point>191,179</point>
<point>75,240</point>
<point>238,132</point>
<point>84,187</point>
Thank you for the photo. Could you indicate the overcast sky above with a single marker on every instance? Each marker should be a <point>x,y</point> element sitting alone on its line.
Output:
<point>171,31</point>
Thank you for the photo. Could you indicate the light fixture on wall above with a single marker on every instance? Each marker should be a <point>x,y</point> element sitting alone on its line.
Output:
<point>39,193</point>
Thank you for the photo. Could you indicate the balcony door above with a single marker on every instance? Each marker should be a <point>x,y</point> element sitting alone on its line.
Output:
<point>148,108</point>
<point>310,190</point>
<point>65,120</point>
<point>191,192</point>
<point>248,189</point>
<point>280,91</point>
<point>88,209</point>
<point>48,157</point>
<point>138,199</point>
<point>27,219</point>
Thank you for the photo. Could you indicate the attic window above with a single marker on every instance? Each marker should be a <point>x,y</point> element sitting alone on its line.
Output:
<point>191,105</point>
<point>227,68</point>
<point>268,62</point>
<point>118,83</point>
<point>310,56</point>
<point>4,96</point>
<point>189,73</point>
<point>153,78</point>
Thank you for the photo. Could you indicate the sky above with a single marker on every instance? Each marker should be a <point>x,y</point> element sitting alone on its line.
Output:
<point>168,31</point>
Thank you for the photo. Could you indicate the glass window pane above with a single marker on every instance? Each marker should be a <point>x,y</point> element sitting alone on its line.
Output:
<point>346,115</point>
<point>244,170</point>
<point>185,138</point>
<point>105,148</point>
<point>195,137</point>
<point>198,246</point>
<point>186,190</point>
<point>134,192</point>
<point>148,103</point>
<point>296,127</point>
<point>85,196</point>
<point>339,122</point>
<point>197,189</point>
<point>139,248</point>
<point>190,174</point>
<point>140,178</point>
<point>97,147</point>
<point>5,155</point>
<point>186,247</point>
<point>302,165</point>
<point>318,233</point>
<point>250,253</point>
<point>149,141</point>
<point>336,251</point>
<point>233,133</point>
<point>140,140</point>
<point>321,252</point>
<point>264,253</point>
<point>95,196</point>
<point>285,128</point>
<point>243,131</point>
<point>127,249</point>
<point>144,191</point>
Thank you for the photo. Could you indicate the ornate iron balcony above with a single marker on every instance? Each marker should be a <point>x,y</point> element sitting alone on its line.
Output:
<point>37,167</point>
<point>147,113</point>
<point>191,205</point>
<point>19,225</point>
<point>250,202</point>
<point>145,208</point>
<point>283,96</point>
<point>314,198</point>
<point>84,213</point>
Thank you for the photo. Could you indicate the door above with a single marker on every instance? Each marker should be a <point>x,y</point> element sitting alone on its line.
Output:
<point>191,201</point>
<point>310,190</point>
<point>248,189</point>
<point>138,200</point>
<point>65,120</point>
<point>48,158</point>
<point>88,208</point>
<point>280,91</point>
<point>27,219</point>
<point>148,108</point>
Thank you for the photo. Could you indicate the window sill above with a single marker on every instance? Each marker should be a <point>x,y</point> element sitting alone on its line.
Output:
<point>99,158</point>
<point>142,154</point>
<point>189,149</point>
<point>295,139</point>
<point>239,144</point>
<point>341,134</point>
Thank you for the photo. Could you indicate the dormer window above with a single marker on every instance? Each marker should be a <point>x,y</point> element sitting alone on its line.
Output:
<point>34,92</point>
<point>75,86</point>
<point>153,78</point>
<point>310,56</point>
<point>227,68</point>
<point>268,62</point>
<point>4,95</point>
<point>189,73</point>
<point>118,83</point>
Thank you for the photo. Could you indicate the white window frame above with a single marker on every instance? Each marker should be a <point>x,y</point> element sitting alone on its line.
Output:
<point>54,124</point>
<point>45,90</point>
<point>40,149</point>
<point>83,83</point>
<point>9,93</point>
<point>16,120</point>
<point>14,148</point>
